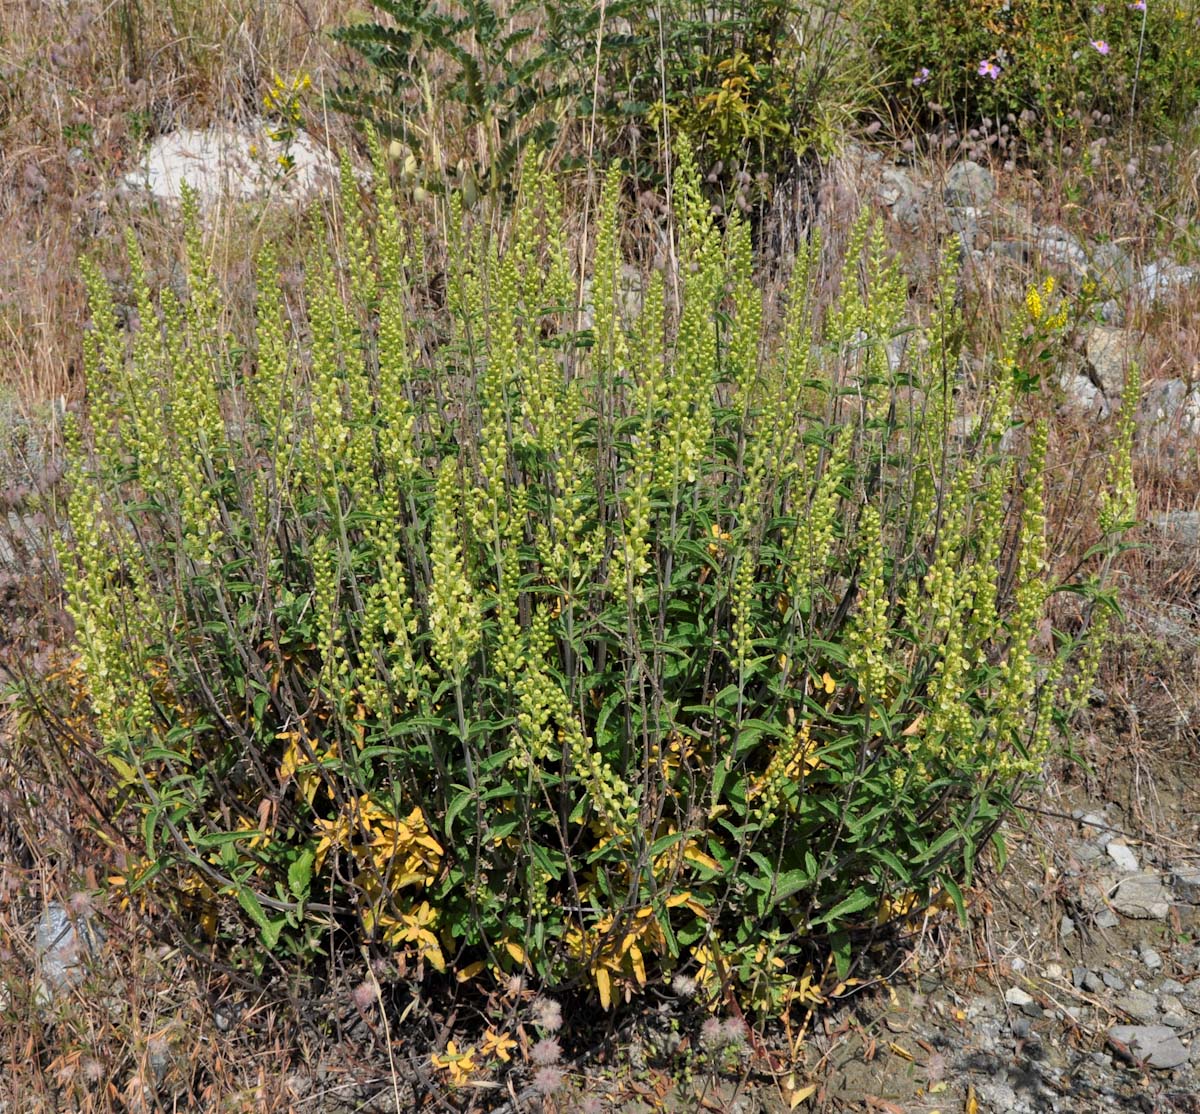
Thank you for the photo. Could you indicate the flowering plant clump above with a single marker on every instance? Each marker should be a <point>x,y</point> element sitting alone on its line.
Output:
<point>282,103</point>
<point>680,641</point>
<point>1040,62</point>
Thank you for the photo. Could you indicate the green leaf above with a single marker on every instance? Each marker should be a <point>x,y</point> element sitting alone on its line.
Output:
<point>859,900</point>
<point>839,946</point>
<point>248,900</point>
<point>457,805</point>
<point>956,896</point>
<point>790,883</point>
<point>1001,849</point>
<point>300,874</point>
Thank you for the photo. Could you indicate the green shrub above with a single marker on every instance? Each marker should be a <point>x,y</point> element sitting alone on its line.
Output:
<point>683,641</point>
<point>750,85</point>
<point>464,91</point>
<point>1056,62</point>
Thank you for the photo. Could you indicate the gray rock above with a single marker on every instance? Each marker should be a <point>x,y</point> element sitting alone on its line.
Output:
<point>1139,1005</point>
<point>1123,856</point>
<point>1066,926</point>
<point>227,162</point>
<point>997,1095</point>
<point>1087,852</point>
<point>1142,896</point>
<point>902,196</point>
<point>1083,397</point>
<point>1092,982</point>
<point>1110,351</point>
<point>1106,918</point>
<point>1169,410</point>
<point>965,222</point>
<point>1172,1013</point>
<point>1160,407</point>
<point>1161,278</point>
<point>1058,247</point>
<point>1023,1001</point>
<point>1176,624</point>
<point>1157,1045</point>
<point>1170,986</point>
<point>63,944</point>
<point>1110,268</point>
<point>1112,980</point>
<point>968,183</point>
<point>1150,958</point>
<point>1182,526</point>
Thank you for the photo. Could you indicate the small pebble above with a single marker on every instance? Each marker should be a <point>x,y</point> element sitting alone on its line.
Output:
<point>1122,856</point>
<point>1106,918</point>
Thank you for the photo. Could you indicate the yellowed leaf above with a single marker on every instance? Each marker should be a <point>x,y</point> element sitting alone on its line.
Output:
<point>638,964</point>
<point>794,1095</point>
<point>693,854</point>
<point>897,1050</point>
<point>914,727</point>
<point>515,950</point>
<point>604,985</point>
<point>972,1106</point>
<point>471,970</point>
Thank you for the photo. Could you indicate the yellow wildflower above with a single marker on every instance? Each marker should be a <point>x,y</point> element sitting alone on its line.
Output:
<point>1033,303</point>
<point>498,1045</point>
<point>457,1065</point>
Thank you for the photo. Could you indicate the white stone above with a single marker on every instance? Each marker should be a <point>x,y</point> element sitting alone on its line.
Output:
<point>227,162</point>
<point>1123,856</point>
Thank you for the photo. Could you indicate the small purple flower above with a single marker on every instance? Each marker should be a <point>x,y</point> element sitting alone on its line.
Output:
<point>1138,5</point>
<point>988,68</point>
<point>1100,45</point>
<point>922,76</point>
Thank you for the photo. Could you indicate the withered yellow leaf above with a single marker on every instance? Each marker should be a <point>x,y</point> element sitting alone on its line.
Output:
<point>471,970</point>
<point>693,854</point>
<point>604,985</point>
<point>638,964</point>
<point>794,1095</point>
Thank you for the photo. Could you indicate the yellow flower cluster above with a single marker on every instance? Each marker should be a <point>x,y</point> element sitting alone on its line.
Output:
<point>869,637</point>
<point>453,612</point>
<point>1036,306</point>
<point>283,95</point>
<point>791,763</point>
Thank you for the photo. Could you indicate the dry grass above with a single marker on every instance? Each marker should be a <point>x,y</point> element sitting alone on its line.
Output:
<point>82,85</point>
